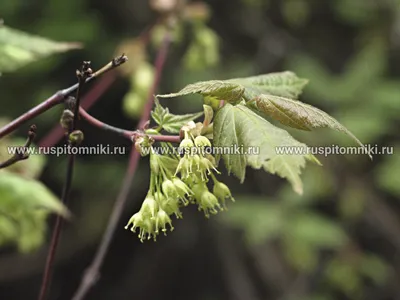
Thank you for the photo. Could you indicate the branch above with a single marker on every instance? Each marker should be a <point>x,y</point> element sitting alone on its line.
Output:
<point>21,152</point>
<point>93,95</point>
<point>99,124</point>
<point>129,134</point>
<point>92,274</point>
<point>57,98</point>
<point>87,101</point>
<point>83,75</point>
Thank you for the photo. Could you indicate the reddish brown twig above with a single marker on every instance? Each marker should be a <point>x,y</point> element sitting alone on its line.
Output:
<point>129,134</point>
<point>21,153</point>
<point>88,100</point>
<point>92,273</point>
<point>57,98</point>
<point>83,74</point>
<point>93,95</point>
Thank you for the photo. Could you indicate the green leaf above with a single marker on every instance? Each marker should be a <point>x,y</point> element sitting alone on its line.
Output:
<point>285,84</point>
<point>261,219</point>
<point>170,122</point>
<point>203,51</point>
<point>375,268</point>
<point>238,125</point>
<point>18,48</point>
<point>387,174</point>
<point>219,89</point>
<point>344,276</point>
<point>24,206</point>
<point>315,230</point>
<point>299,115</point>
<point>17,191</point>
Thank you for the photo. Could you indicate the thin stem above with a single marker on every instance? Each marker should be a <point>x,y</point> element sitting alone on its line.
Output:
<point>129,134</point>
<point>88,100</point>
<point>21,153</point>
<point>82,75</point>
<point>166,138</point>
<point>99,124</point>
<point>92,274</point>
<point>93,95</point>
<point>57,98</point>
<point>56,232</point>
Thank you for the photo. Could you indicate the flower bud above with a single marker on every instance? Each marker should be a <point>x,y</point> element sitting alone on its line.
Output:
<point>184,167</point>
<point>182,190</point>
<point>147,230</point>
<point>205,167</point>
<point>67,118</point>
<point>171,206</point>
<point>198,190</point>
<point>208,203</point>
<point>186,146</point>
<point>222,192</point>
<point>202,141</point>
<point>169,189</point>
<point>181,187</point>
<point>136,221</point>
<point>149,206</point>
<point>196,161</point>
<point>76,137</point>
<point>162,220</point>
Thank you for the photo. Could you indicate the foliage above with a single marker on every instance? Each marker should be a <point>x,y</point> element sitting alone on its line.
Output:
<point>235,124</point>
<point>25,202</point>
<point>18,48</point>
<point>353,73</point>
<point>170,122</point>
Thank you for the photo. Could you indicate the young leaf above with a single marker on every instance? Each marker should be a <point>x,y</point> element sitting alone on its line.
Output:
<point>170,122</point>
<point>299,115</point>
<point>29,194</point>
<point>18,48</point>
<point>285,84</point>
<point>24,207</point>
<point>219,89</point>
<point>238,125</point>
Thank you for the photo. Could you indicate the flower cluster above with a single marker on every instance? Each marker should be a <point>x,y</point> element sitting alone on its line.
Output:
<point>176,182</point>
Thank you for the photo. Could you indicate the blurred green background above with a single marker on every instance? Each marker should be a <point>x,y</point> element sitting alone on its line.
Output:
<point>340,240</point>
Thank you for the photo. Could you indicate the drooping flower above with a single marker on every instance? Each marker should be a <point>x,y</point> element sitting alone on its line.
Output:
<point>201,141</point>
<point>205,168</point>
<point>209,203</point>
<point>162,220</point>
<point>149,206</point>
<point>222,192</point>
<point>135,221</point>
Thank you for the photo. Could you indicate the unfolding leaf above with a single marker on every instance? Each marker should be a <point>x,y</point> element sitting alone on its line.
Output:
<point>219,89</point>
<point>170,122</point>
<point>238,125</point>
<point>284,84</point>
<point>18,48</point>
<point>299,115</point>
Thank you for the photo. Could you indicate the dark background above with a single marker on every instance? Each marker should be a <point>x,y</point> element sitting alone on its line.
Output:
<point>340,240</point>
